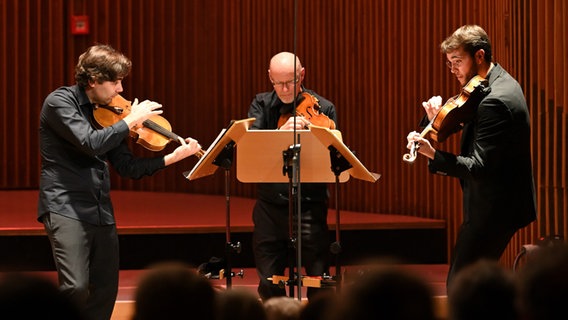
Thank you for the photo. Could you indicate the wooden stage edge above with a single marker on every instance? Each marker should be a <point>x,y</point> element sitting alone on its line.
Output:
<point>141,212</point>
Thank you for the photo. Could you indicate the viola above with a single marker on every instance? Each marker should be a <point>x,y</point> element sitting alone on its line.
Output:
<point>453,114</point>
<point>309,108</point>
<point>154,134</point>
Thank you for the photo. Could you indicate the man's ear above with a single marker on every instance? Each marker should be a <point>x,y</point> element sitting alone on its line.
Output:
<point>91,83</point>
<point>479,56</point>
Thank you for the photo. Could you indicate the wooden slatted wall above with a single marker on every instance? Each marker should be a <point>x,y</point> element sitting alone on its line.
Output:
<point>375,59</point>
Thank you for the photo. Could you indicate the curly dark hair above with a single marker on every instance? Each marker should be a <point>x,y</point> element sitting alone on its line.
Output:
<point>101,63</point>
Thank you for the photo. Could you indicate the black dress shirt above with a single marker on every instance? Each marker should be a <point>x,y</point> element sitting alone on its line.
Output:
<point>75,179</point>
<point>267,108</point>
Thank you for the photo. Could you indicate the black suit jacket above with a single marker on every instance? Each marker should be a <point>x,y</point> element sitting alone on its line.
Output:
<point>494,166</point>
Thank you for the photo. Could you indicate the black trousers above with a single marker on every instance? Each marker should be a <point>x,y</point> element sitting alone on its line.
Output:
<point>86,258</point>
<point>477,242</point>
<point>271,243</point>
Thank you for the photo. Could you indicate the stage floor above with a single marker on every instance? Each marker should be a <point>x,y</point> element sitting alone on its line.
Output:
<point>140,212</point>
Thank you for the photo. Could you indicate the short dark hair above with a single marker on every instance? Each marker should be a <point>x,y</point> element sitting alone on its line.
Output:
<point>173,290</point>
<point>101,63</point>
<point>387,292</point>
<point>481,290</point>
<point>544,283</point>
<point>471,38</point>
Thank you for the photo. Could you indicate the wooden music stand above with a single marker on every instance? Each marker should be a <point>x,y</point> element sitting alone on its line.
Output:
<point>263,157</point>
<point>259,157</point>
<point>324,159</point>
<point>329,138</point>
<point>220,154</point>
<point>233,133</point>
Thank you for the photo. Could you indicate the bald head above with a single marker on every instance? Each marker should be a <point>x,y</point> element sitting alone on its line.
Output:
<point>286,80</point>
<point>284,62</point>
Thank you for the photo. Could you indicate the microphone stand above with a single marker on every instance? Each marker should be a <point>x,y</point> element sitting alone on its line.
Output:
<point>292,169</point>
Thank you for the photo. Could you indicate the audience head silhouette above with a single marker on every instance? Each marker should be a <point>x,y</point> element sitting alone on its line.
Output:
<point>240,304</point>
<point>321,306</point>
<point>544,284</point>
<point>387,292</point>
<point>483,290</point>
<point>33,297</point>
<point>174,291</point>
<point>283,308</point>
